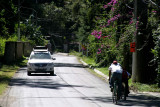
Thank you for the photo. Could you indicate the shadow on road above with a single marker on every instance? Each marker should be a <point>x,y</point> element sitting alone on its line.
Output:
<point>69,65</point>
<point>133,100</point>
<point>42,83</point>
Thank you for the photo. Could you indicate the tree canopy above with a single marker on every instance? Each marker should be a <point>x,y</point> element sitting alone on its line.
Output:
<point>105,28</point>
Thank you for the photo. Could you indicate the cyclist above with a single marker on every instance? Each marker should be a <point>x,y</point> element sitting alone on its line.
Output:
<point>125,77</point>
<point>115,72</point>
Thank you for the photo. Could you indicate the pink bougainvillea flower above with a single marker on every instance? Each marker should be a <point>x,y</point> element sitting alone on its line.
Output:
<point>99,36</point>
<point>111,3</point>
<point>99,33</point>
<point>99,51</point>
<point>102,46</point>
<point>154,11</point>
<point>105,6</point>
<point>96,36</point>
<point>137,24</point>
<point>113,19</point>
<point>131,21</point>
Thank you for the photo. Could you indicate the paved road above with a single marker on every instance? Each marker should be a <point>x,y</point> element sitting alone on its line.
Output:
<point>71,86</point>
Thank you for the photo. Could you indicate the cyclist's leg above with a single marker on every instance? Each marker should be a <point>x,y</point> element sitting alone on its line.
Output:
<point>119,76</point>
<point>127,87</point>
<point>113,76</point>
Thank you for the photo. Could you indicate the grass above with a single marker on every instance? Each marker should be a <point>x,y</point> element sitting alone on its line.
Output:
<point>144,87</point>
<point>134,86</point>
<point>7,72</point>
<point>104,70</point>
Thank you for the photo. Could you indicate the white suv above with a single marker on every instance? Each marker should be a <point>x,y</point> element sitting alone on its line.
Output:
<point>40,61</point>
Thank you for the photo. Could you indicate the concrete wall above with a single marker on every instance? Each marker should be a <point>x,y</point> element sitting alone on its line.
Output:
<point>9,55</point>
<point>16,50</point>
<point>27,48</point>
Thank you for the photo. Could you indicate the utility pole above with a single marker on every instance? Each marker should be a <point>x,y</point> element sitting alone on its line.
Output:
<point>18,20</point>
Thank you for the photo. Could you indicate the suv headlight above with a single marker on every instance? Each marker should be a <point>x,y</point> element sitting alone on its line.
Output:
<point>29,64</point>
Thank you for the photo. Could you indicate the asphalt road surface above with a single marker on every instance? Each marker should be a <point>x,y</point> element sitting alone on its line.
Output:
<point>71,86</point>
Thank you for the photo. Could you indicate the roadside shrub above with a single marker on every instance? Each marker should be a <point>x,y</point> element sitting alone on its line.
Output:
<point>156,52</point>
<point>2,46</point>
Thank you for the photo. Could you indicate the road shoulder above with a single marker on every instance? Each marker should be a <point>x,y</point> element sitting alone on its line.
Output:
<point>147,94</point>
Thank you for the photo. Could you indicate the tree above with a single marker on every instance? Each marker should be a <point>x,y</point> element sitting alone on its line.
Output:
<point>144,43</point>
<point>7,18</point>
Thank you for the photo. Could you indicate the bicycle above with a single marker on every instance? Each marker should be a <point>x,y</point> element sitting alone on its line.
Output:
<point>115,93</point>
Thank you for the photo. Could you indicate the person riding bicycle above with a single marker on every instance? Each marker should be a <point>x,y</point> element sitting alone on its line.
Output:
<point>125,77</point>
<point>115,72</point>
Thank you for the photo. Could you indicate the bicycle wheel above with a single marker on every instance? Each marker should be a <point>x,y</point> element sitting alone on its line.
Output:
<point>115,93</point>
<point>125,92</point>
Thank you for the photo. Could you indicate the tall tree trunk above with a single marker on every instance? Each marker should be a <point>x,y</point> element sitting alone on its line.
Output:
<point>139,63</point>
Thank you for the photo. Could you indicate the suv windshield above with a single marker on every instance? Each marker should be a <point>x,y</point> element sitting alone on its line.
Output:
<point>40,56</point>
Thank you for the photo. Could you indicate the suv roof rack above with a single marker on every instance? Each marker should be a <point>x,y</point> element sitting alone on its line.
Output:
<point>40,49</point>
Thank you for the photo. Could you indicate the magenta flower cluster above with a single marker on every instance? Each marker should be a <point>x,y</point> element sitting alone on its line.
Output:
<point>111,3</point>
<point>131,21</point>
<point>97,34</point>
<point>109,36</point>
<point>113,19</point>
<point>154,11</point>
<point>137,23</point>
<point>99,51</point>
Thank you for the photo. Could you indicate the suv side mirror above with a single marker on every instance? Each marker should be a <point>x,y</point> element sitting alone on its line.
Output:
<point>54,58</point>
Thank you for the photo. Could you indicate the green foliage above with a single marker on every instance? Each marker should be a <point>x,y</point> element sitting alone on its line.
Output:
<point>30,32</point>
<point>156,35</point>
<point>3,41</point>
<point>4,29</point>
<point>76,8</point>
<point>156,51</point>
<point>2,46</point>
